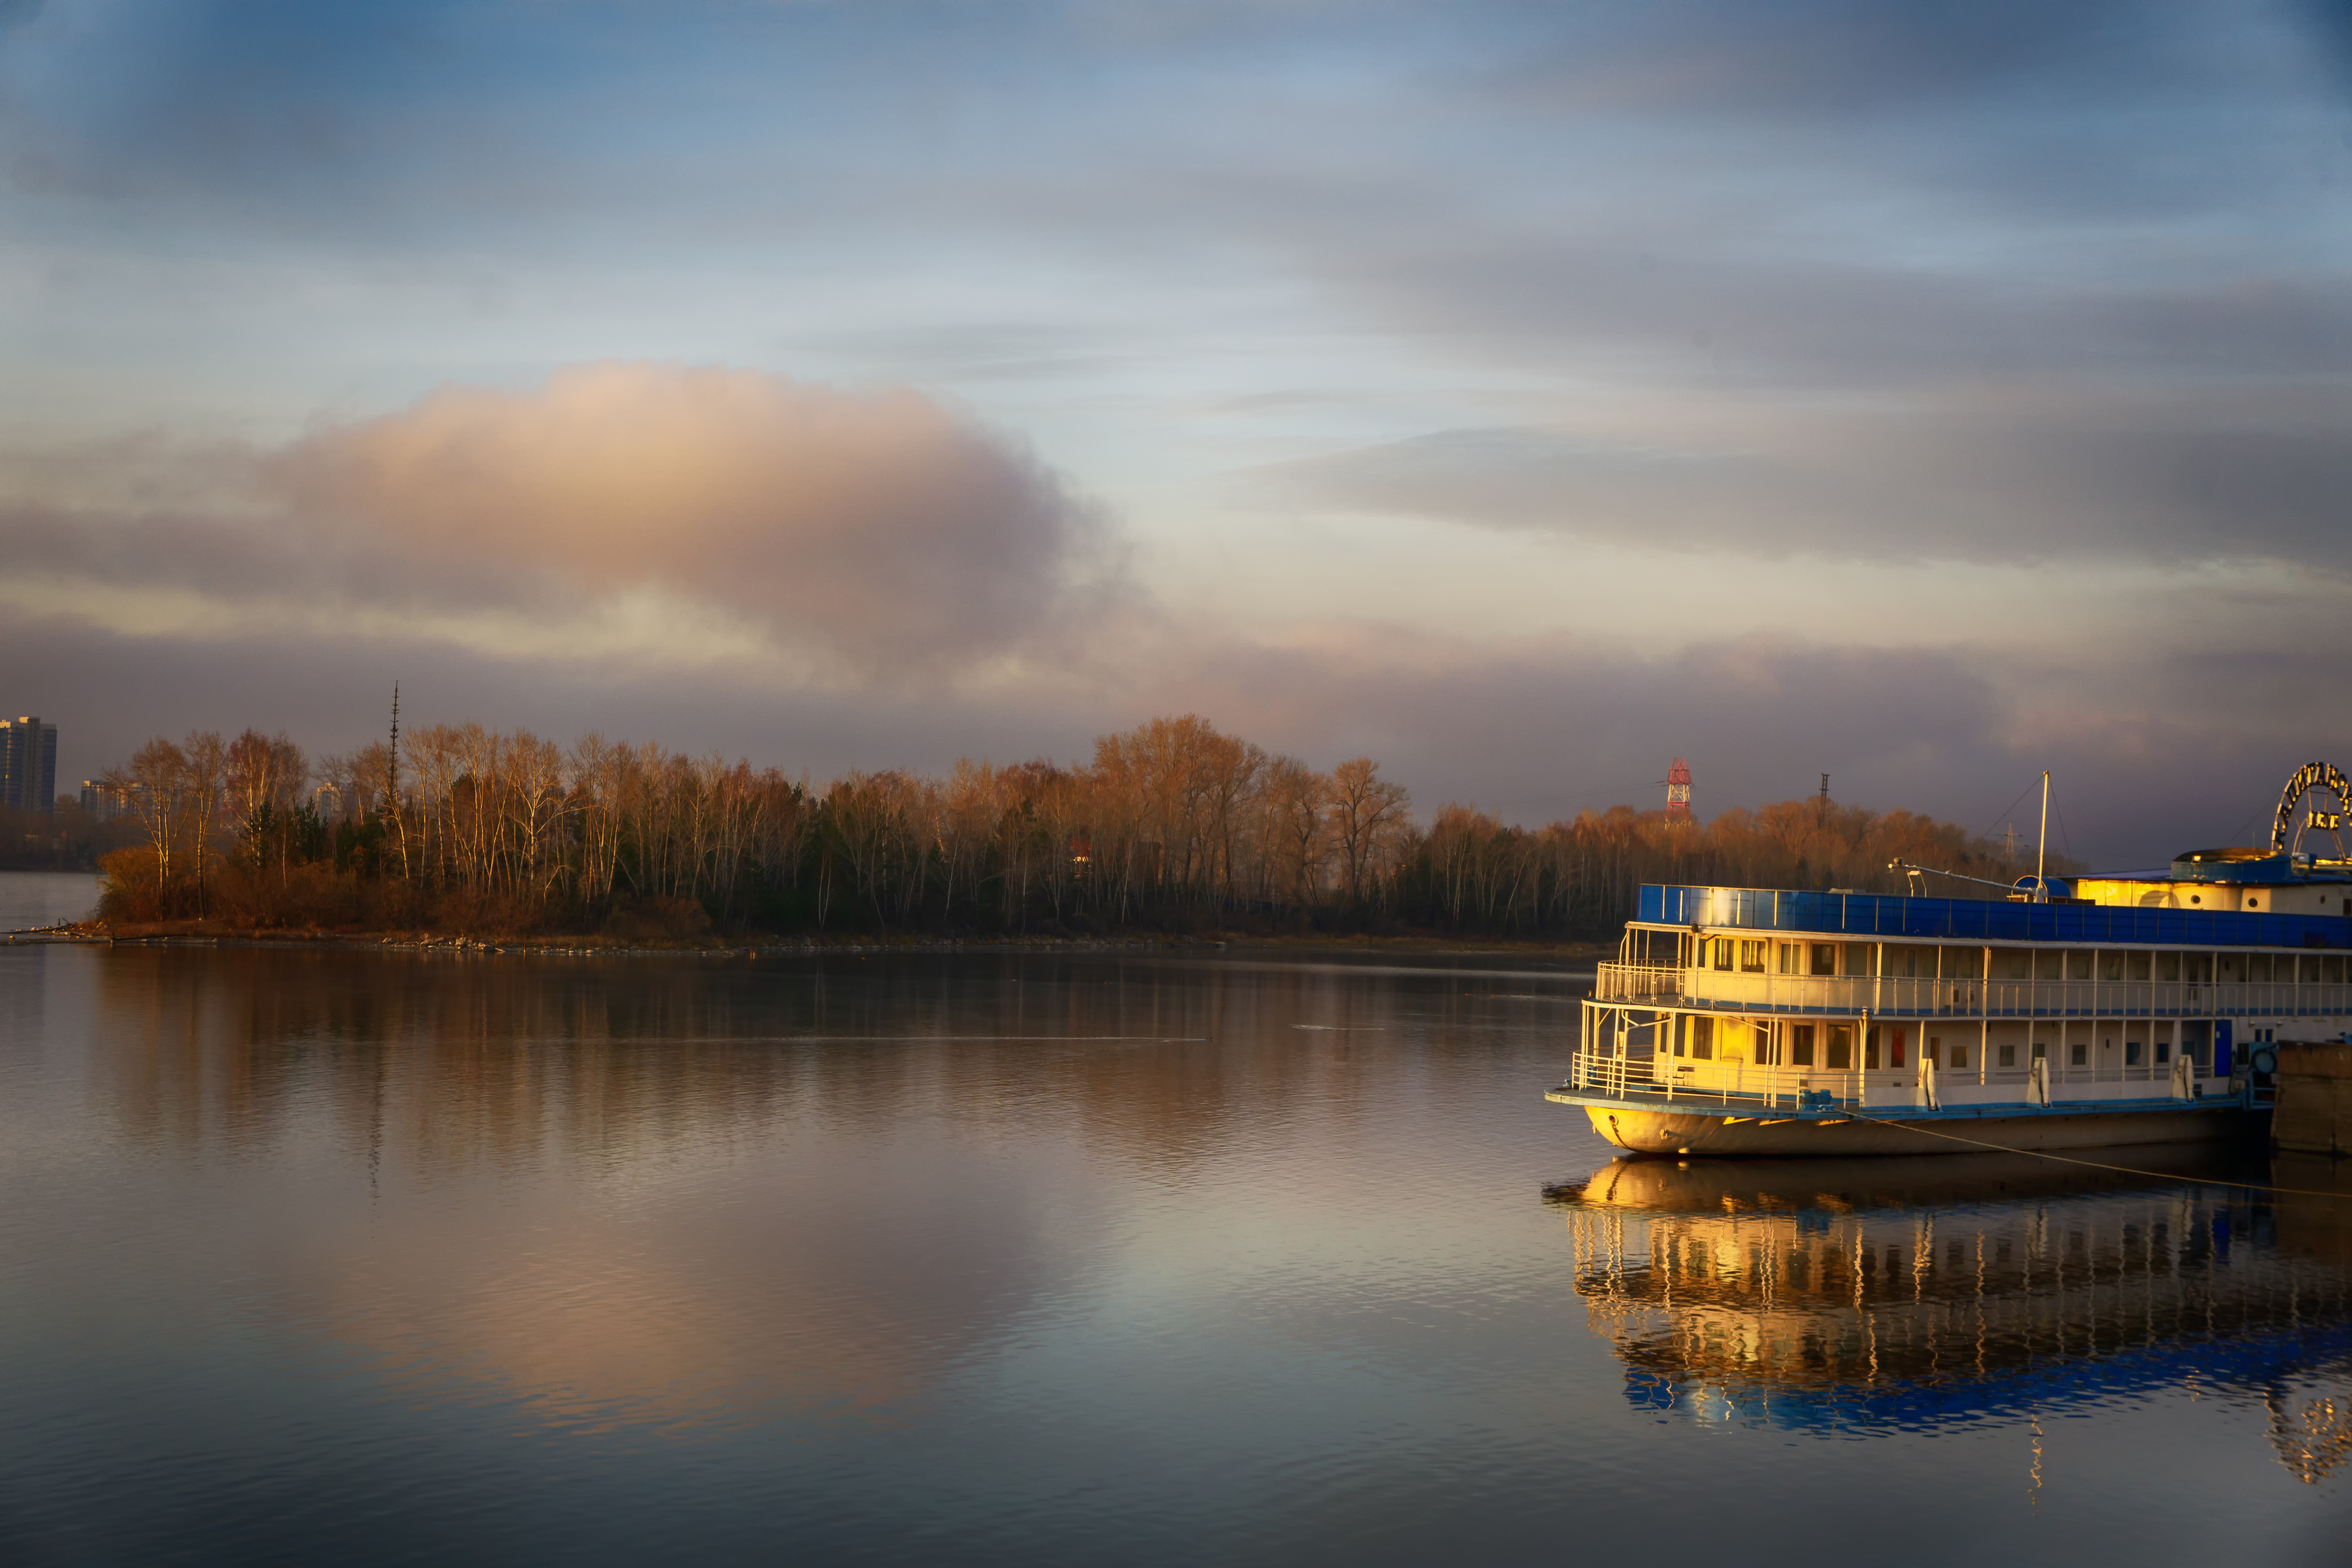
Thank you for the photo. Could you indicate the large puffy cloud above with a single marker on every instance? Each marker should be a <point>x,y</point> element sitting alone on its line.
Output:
<point>858,535</point>
<point>881,524</point>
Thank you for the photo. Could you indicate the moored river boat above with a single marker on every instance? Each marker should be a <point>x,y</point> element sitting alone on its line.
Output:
<point>2131,1007</point>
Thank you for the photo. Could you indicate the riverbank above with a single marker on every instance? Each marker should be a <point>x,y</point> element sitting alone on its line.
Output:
<point>204,935</point>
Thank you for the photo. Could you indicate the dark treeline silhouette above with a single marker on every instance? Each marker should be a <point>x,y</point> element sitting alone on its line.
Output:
<point>66,839</point>
<point>1171,827</point>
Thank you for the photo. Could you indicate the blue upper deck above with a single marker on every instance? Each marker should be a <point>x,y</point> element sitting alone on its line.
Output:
<point>1973,919</point>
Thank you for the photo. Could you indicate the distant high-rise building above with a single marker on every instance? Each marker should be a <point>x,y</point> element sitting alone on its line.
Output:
<point>103,801</point>
<point>28,764</point>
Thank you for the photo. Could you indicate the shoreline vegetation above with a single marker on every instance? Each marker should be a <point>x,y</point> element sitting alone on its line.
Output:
<point>1293,949</point>
<point>1170,833</point>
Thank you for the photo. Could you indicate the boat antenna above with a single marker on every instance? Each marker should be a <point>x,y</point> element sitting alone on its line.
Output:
<point>1911,870</point>
<point>2041,850</point>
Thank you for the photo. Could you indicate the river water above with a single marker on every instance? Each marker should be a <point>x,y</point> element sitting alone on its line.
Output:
<point>367,1257</point>
<point>29,900</point>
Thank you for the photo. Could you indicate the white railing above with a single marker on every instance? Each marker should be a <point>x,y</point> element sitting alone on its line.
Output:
<point>1599,1074</point>
<point>1676,1077</point>
<point>1895,996</point>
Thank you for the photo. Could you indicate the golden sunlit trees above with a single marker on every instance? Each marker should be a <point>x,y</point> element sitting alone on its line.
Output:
<point>1472,872</point>
<point>1170,826</point>
<point>175,792</point>
<point>1368,824</point>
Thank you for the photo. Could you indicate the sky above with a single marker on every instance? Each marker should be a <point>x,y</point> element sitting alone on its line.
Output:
<point>1522,394</point>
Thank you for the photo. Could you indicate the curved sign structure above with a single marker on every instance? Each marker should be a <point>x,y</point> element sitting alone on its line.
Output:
<point>2286,833</point>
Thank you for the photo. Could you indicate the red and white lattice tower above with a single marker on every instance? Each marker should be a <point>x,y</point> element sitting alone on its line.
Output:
<point>1678,791</point>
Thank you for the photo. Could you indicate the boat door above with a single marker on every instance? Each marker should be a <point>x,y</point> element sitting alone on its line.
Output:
<point>2222,1029</point>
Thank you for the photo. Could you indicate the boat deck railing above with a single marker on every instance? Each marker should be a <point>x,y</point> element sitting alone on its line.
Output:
<point>1900,996</point>
<point>1635,1075</point>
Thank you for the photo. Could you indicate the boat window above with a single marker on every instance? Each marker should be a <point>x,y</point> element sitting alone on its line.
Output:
<point>2139,966</point>
<point>1870,1049</point>
<point>2163,1052</point>
<point>1932,1052</point>
<point>1841,1047</point>
<point>1857,958</point>
<point>2258,966</point>
<point>2014,963</point>
<point>1751,957</point>
<point>1962,963</point>
<point>1703,1038</point>
<point>2131,1053</point>
<point>2307,970</point>
<point>2078,965</point>
<point>1825,958</point>
<point>1800,1045</point>
<point>1895,1050</point>
<point>2041,1049</point>
<point>1959,1056</point>
<point>2167,966</point>
<point>1722,954</point>
<point>2080,1056</point>
<point>2049,963</point>
<point>2111,966</point>
<point>2009,1056</point>
<point>2197,968</point>
<point>1791,957</point>
<point>2332,969</point>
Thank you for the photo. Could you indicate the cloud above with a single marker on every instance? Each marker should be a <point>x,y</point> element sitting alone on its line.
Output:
<point>870,532</point>
<point>2004,475</point>
<point>881,525</point>
<point>1813,58</point>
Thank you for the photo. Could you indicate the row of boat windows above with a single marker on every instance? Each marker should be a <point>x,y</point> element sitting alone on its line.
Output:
<point>1908,961</point>
<point>1830,1046</point>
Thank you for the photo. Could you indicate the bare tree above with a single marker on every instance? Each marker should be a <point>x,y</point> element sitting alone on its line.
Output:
<point>1366,811</point>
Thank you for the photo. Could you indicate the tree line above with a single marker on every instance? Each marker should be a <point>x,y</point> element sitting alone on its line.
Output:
<point>1170,826</point>
<point>66,838</point>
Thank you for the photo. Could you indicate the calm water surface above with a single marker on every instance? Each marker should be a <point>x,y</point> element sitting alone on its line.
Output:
<point>1003,1259</point>
<point>32,899</point>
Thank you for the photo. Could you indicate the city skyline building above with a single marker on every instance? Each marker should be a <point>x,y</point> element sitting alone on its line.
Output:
<point>28,764</point>
<point>105,802</point>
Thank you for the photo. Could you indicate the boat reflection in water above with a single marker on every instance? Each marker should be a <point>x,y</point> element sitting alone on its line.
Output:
<point>1837,1296</point>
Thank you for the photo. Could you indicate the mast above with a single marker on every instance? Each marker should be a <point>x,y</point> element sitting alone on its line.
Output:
<point>2042,848</point>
